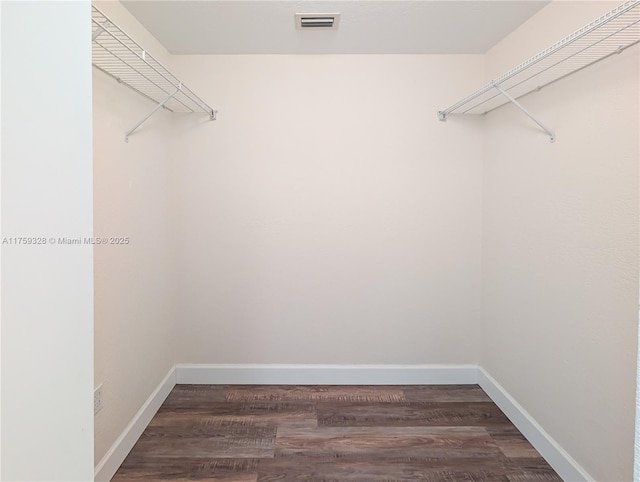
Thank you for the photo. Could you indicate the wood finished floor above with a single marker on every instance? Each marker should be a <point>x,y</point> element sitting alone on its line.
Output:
<point>238,433</point>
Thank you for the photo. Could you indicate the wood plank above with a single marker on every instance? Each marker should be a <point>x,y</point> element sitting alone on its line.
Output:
<point>261,408</point>
<point>141,468</point>
<point>384,469</point>
<point>386,441</point>
<point>512,443</point>
<point>530,469</point>
<point>239,413</point>
<point>187,397</point>
<point>206,441</point>
<point>184,425</point>
<point>315,393</point>
<point>470,414</point>
<point>215,478</point>
<point>445,393</point>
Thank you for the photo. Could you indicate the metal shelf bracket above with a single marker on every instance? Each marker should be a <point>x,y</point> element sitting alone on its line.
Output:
<point>96,33</point>
<point>155,109</point>
<point>442,115</point>
<point>212,114</point>
<point>549,132</point>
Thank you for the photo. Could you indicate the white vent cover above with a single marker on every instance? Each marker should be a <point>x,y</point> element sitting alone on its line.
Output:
<point>317,21</point>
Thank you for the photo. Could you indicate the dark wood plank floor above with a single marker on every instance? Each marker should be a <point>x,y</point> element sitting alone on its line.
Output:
<point>367,433</point>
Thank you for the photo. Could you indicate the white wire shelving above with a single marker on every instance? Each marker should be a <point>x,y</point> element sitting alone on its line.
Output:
<point>608,35</point>
<point>118,55</point>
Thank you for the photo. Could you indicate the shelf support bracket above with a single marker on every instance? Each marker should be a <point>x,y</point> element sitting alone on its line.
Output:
<point>99,29</point>
<point>549,132</point>
<point>156,108</point>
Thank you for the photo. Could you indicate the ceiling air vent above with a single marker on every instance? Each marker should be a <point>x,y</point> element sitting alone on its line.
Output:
<point>317,21</point>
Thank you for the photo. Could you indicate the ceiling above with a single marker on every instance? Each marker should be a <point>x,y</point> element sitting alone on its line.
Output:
<point>366,26</point>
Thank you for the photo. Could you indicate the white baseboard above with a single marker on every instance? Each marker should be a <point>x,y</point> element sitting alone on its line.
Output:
<point>327,374</point>
<point>112,460</point>
<point>553,453</point>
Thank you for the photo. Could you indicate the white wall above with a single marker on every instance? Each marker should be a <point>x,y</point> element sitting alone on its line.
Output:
<point>47,290</point>
<point>328,216</point>
<point>0,249</point>
<point>560,250</point>
<point>134,289</point>
<point>636,457</point>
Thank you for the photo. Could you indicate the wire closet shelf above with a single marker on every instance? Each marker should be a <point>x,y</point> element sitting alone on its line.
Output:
<point>119,56</point>
<point>610,34</point>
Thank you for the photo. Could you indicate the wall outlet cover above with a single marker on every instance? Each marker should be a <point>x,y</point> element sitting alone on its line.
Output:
<point>98,401</point>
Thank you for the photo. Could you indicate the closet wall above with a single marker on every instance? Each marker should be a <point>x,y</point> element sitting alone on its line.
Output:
<point>328,217</point>
<point>134,288</point>
<point>560,247</point>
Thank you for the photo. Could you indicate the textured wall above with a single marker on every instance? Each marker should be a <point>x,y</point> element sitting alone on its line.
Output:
<point>134,290</point>
<point>636,465</point>
<point>328,216</point>
<point>636,472</point>
<point>560,253</point>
